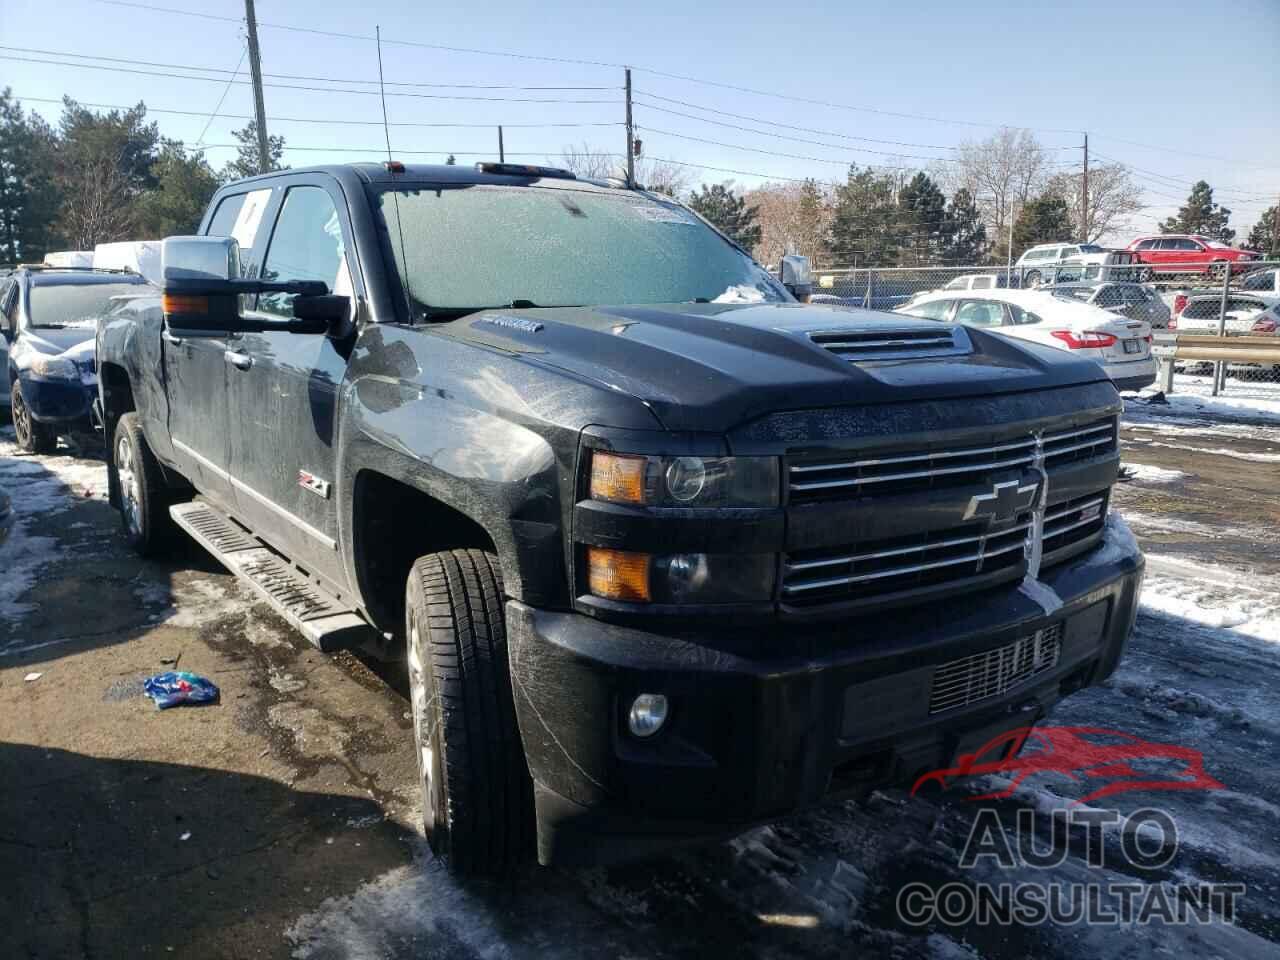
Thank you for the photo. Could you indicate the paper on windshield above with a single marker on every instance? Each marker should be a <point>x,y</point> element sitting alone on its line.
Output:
<point>250,217</point>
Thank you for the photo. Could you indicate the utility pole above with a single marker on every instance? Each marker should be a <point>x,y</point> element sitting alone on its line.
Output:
<point>259,108</point>
<point>502,153</point>
<point>1084,196</point>
<point>631,137</point>
<point>1274,252</point>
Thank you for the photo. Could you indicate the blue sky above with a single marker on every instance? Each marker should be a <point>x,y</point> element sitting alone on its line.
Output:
<point>1179,91</point>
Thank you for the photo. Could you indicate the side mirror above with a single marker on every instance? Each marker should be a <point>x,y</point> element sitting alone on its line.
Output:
<point>201,288</point>
<point>797,276</point>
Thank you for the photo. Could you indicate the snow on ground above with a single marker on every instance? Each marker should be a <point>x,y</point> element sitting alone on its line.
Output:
<point>1148,473</point>
<point>1256,399</point>
<point>38,487</point>
<point>1212,595</point>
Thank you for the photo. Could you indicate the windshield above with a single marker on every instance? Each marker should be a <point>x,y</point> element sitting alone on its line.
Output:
<point>466,248</point>
<point>1074,293</point>
<point>73,305</point>
<point>1092,248</point>
<point>1219,245</point>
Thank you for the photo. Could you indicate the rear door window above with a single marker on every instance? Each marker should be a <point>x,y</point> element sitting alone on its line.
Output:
<point>980,313</point>
<point>1019,317</point>
<point>933,310</point>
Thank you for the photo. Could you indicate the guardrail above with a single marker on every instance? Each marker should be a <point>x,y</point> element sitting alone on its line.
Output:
<point>1223,351</point>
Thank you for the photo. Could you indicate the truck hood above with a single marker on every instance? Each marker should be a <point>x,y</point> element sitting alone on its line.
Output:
<point>716,366</point>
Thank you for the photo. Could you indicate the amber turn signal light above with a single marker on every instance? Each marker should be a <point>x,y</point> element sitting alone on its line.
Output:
<point>183,303</point>
<point>618,574</point>
<point>617,478</point>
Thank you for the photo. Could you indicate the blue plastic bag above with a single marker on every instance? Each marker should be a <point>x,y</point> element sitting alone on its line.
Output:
<point>172,689</point>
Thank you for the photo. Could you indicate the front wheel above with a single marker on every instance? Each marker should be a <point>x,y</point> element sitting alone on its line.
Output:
<point>1146,275</point>
<point>31,435</point>
<point>477,796</point>
<point>144,498</point>
<point>1218,270</point>
<point>1032,279</point>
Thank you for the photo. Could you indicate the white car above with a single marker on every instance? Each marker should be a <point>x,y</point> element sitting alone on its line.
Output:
<point>1122,346</point>
<point>1065,262</point>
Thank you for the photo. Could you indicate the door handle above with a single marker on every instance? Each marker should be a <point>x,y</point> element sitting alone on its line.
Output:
<point>168,337</point>
<point>241,361</point>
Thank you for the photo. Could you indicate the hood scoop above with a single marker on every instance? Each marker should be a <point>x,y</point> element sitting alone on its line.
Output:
<point>888,343</point>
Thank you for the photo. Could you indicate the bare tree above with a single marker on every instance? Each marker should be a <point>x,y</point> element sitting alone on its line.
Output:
<point>1113,198</point>
<point>662,177</point>
<point>589,162</point>
<point>1002,173</point>
<point>793,218</point>
<point>98,203</point>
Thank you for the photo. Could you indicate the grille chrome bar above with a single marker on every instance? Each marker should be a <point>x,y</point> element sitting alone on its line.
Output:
<point>899,571</point>
<point>916,474</point>
<point>899,551</point>
<point>913,457</point>
<point>992,673</point>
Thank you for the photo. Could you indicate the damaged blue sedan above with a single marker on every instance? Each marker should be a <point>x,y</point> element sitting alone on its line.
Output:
<point>49,322</point>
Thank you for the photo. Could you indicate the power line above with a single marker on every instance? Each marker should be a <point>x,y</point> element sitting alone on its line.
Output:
<point>294,76</point>
<point>792,156</point>
<point>1180,181</point>
<point>1189,153</point>
<point>225,90</point>
<point>589,63</point>
<point>290,86</point>
<point>322,120</point>
<point>772,123</point>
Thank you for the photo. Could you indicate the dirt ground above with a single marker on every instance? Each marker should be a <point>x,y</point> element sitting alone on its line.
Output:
<point>282,821</point>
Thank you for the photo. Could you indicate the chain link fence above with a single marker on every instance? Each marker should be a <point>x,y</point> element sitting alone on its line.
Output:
<point>1208,298</point>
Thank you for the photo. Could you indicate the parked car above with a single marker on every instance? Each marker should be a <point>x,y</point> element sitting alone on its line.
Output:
<point>973,281</point>
<point>1065,262</point>
<point>1261,281</point>
<point>49,317</point>
<point>1182,254</point>
<point>1120,345</point>
<point>1133,300</point>
<point>600,528</point>
<point>1200,313</point>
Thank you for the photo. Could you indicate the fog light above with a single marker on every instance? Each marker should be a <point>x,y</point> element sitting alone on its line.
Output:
<point>648,714</point>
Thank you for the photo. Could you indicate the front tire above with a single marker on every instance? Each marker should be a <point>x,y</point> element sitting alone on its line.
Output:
<point>31,435</point>
<point>144,497</point>
<point>476,790</point>
<point>1032,279</point>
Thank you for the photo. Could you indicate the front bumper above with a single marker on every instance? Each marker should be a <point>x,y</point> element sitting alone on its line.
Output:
<point>750,739</point>
<point>58,401</point>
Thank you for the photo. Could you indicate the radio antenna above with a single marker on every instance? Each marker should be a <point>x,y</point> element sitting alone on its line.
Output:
<point>391,169</point>
<point>382,92</point>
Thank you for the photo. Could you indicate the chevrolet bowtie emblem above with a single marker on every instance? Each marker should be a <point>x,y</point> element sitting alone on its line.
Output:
<point>1005,501</point>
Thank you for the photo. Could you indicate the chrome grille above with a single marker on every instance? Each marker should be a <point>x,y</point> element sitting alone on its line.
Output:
<point>1074,520</point>
<point>992,673</point>
<point>904,471</point>
<point>879,568</point>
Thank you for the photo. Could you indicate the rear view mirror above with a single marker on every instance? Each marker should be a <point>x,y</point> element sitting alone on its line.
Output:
<point>198,264</point>
<point>797,276</point>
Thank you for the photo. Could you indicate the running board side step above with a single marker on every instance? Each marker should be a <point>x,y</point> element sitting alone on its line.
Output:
<point>319,617</point>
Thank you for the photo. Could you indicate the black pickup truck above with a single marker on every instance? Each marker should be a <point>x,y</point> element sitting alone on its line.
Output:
<point>668,553</point>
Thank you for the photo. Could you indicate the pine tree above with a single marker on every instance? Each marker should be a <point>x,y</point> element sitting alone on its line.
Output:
<point>450,160</point>
<point>1263,236</point>
<point>728,212</point>
<point>922,208</point>
<point>246,162</point>
<point>1044,220</point>
<point>29,198</point>
<point>964,239</point>
<point>1200,215</point>
<point>185,183</point>
<point>865,228</point>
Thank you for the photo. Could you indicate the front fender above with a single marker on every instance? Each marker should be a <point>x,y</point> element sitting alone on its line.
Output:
<point>503,475</point>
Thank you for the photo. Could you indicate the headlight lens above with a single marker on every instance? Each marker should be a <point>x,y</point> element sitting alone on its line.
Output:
<point>59,368</point>
<point>685,481</point>
<point>691,578</point>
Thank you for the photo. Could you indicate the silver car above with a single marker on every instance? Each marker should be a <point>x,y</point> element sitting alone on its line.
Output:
<point>1132,300</point>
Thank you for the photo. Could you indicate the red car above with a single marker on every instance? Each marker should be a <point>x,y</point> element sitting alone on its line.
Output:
<point>1183,253</point>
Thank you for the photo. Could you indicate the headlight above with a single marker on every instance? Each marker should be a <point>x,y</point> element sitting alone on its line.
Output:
<point>680,577</point>
<point>684,481</point>
<point>53,368</point>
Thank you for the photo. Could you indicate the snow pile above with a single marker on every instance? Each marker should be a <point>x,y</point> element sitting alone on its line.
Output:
<point>1212,596</point>
<point>37,487</point>
<point>1264,406</point>
<point>1150,474</point>
<point>741,293</point>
